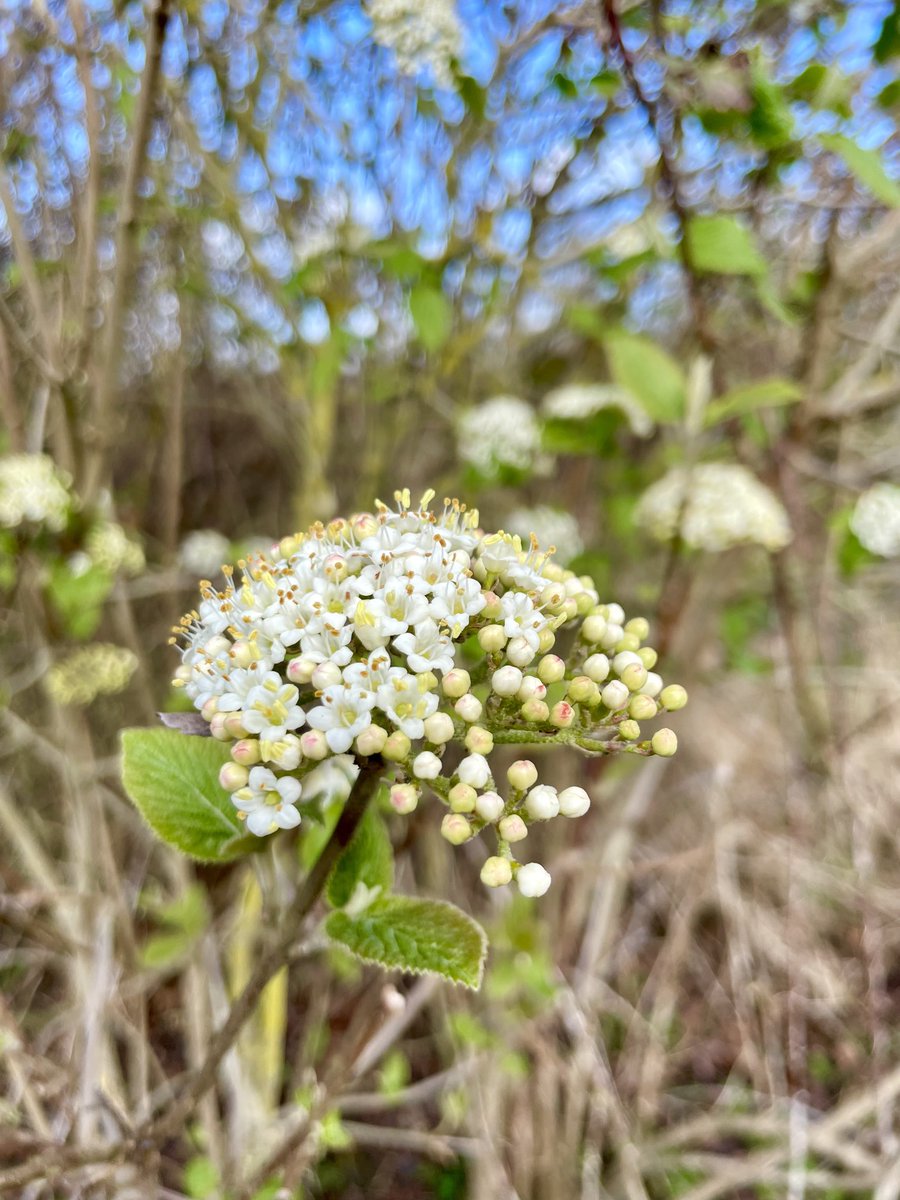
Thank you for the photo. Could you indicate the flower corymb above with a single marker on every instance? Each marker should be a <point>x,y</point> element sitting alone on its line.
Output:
<point>412,637</point>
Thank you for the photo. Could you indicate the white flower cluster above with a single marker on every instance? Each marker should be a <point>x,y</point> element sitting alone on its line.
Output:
<point>876,520</point>
<point>578,401</point>
<point>203,551</point>
<point>552,527</point>
<point>345,643</point>
<point>109,547</point>
<point>33,489</point>
<point>423,36</point>
<point>719,505</point>
<point>501,432</point>
<point>97,670</point>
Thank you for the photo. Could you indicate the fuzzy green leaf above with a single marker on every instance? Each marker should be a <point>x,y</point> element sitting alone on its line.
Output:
<point>369,860</point>
<point>721,245</point>
<point>651,375</point>
<point>432,315</point>
<point>174,782</point>
<point>866,165</point>
<point>421,936</point>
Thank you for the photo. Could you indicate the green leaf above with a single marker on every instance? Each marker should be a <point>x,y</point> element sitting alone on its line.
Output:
<point>765,393</point>
<point>368,860</point>
<point>887,44</point>
<point>174,782</point>
<point>866,165</point>
<point>79,599</point>
<point>432,315</point>
<point>721,245</point>
<point>652,376</point>
<point>405,934</point>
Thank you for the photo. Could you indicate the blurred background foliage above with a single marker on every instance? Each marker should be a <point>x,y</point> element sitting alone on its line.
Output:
<point>260,263</point>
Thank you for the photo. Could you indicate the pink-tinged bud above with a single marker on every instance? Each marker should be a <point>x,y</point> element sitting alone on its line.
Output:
<point>403,798</point>
<point>217,727</point>
<point>506,681</point>
<point>243,653</point>
<point>634,676</point>
<point>496,872</point>
<point>562,715</point>
<point>512,829</point>
<point>492,606</point>
<point>300,670</point>
<point>314,745</point>
<point>522,774</point>
<point>364,525</point>
<point>536,712</point>
<point>479,740</point>
<point>574,802</point>
<point>335,567</point>
<point>233,776</point>
<point>439,728</point>
<point>489,806</point>
<point>209,709</point>
<point>492,639</point>
<point>642,708</point>
<point>456,829</point>
<point>246,752</point>
<point>519,653</point>
<point>462,797</point>
<point>664,743</point>
<point>531,689</point>
<point>326,674</point>
<point>551,669</point>
<point>234,725</point>
<point>456,683</point>
<point>582,690</point>
<point>397,747</point>
<point>371,740</point>
<point>468,707</point>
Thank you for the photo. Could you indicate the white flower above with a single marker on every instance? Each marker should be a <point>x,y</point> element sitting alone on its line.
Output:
<point>578,401</point>
<point>32,488</point>
<point>876,520</point>
<point>551,527</point>
<point>408,703</point>
<point>424,36</point>
<point>110,548</point>
<point>522,619</point>
<point>203,552</point>
<point>95,670</point>
<point>270,708</point>
<point>344,713</point>
<point>501,432</point>
<point>427,649</point>
<point>455,602</point>
<point>267,802</point>
<point>720,505</point>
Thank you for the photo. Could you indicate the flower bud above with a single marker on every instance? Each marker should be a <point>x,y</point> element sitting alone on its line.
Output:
<point>397,747</point>
<point>642,708</point>
<point>546,641</point>
<point>584,602</point>
<point>512,828</point>
<point>624,659</point>
<point>242,653</point>
<point>562,715</point>
<point>468,707</point>
<point>536,712</point>
<point>364,525</point>
<point>456,829</point>
<point>335,567</point>
<point>233,776</point>
<point>531,689</point>
<point>426,765</point>
<point>532,879</point>
<point>664,743</point>
<point>522,774</point>
<point>593,629</point>
<point>574,802</point>
<point>489,806</point>
<point>653,686</point>
<point>506,681</point>
<point>639,626</point>
<point>519,653</point>
<point>582,690</point>
<point>285,752</point>
<point>325,674</point>
<point>209,709</point>
<point>496,872</point>
<point>629,731</point>
<point>456,683</point>
<point>462,797</point>
<point>438,728</point>
<point>634,676</point>
<point>627,642</point>
<point>551,669</point>
<point>648,657</point>
<point>474,770</point>
<point>288,546</point>
<point>313,744</point>
<point>615,695</point>
<point>371,740</point>
<point>479,740</point>
<point>611,637</point>
<point>492,606</point>
<point>569,611</point>
<point>671,698</point>
<point>403,798</point>
<point>542,802</point>
<point>300,670</point>
<point>217,727</point>
<point>553,597</point>
<point>234,725</point>
<point>615,613</point>
<point>597,668</point>
<point>246,752</point>
<point>492,639</point>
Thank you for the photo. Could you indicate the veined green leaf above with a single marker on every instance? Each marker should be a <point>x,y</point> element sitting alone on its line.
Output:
<point>368,860</point>
<point>651,375</point>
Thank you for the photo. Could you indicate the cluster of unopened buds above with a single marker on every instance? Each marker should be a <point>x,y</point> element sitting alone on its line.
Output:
<point>406,637</point>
